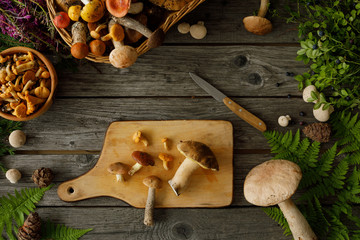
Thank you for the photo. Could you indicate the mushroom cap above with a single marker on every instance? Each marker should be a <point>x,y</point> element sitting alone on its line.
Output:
<point>117,168</point>
<point>93,11</point>
<point>284,120</point>
<point>257,25</point>
<point>307,92</point>
<point>321,115</point>
<point>13,175</point>
<point>200,153</point>
<point>123,57</point>
<point>97,47</point>
<point>132,35</point>
<point>17,138</point>
<point>79,50</point>
<point>156,38</point>
<point>272,182</point>
<point>184,27</point>
<point>143,158</point>
<point>198,31</point>
<point>118,8</point>
<point>152,182</point>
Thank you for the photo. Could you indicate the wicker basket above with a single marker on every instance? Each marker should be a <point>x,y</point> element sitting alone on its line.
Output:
<point>173,18</point>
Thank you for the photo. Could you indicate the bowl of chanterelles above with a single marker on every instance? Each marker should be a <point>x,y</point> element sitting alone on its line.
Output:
<point>28,82</point>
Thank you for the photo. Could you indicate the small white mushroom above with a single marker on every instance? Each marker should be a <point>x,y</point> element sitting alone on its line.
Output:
<point>17,138</point>
<point>284,120</point>
<point>307,93</point>
<point>183,28</point>
<point>13,175</point>
<point>322,115</point>
<point>198,31</point>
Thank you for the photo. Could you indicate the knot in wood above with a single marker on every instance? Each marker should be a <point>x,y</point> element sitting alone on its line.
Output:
<point>254,79</point>
<point>182,231</point>
<point>240,61</point>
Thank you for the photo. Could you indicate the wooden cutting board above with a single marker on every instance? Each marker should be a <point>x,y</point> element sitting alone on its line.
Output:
<point>207,188</point>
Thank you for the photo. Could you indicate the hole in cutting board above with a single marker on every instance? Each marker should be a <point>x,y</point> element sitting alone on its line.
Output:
<point>70,190</point>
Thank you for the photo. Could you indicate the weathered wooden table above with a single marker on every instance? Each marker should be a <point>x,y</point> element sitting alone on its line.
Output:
<point>69,137</point>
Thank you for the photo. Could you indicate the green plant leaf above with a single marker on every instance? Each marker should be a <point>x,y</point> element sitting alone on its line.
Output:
<point>61,232</point>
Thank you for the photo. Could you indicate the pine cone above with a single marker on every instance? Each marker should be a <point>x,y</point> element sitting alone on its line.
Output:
<point>31,228</point>
<point>43,177</point>
<point>319,132</point>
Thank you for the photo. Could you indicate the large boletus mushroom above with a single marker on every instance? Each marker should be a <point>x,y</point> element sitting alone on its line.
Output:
<point>274,182</point>
<point>153,183</point>
<point>259,25</point>
<point>197,154</point>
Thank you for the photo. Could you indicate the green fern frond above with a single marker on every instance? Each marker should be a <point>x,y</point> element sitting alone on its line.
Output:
<point>61,232</point>
<point>14,207</point>
<point>276,214</point>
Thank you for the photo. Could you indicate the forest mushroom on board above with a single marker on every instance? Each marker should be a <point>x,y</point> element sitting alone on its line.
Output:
<point>274,182</point>
<point>93,10</point>
<point>139,137</point>
<point>153,183</point>
<point>119,169</point>
<point>79,49</point>
<point>118,8</point>
<point>166,158</point>
<point>259,25</point>
<point>122,56</point>
<point>197,154</point>
<point>142,159</point>
<point>155,39</point>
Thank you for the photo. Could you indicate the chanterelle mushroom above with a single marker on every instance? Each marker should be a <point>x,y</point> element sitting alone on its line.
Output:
<point>119,169</point>
<point>197,154</point>
<point>274,182</point>
<point>153,183</point>
<point>259,25</point>
<point>142,159</point>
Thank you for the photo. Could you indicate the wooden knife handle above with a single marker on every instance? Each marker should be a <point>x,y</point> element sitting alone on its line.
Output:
<point>245,115</point>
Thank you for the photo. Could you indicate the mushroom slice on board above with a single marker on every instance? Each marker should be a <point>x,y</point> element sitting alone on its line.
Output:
<point>259,25</point>
<point>153,183</point>
<point>142,159</point>
<point>274,182</point>
<point>119,169</point>
<point>197,154</point>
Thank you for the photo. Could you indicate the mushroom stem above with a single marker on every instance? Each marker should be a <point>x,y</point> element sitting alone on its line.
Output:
<point>299,227</point>
<point>264,6</point>
<point>119,177</point>
<point>136,167</point>
<point>133,24</point>
<point>149,208</point>
<point>182,176</point>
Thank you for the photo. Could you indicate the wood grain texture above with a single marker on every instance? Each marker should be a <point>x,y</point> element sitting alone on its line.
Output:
<point>223,20</point>
<point>234,70</point>
<point>80,124</point>
<point>207,188</point>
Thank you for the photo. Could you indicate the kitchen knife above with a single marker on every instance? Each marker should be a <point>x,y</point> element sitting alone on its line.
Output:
<point>237,109</point>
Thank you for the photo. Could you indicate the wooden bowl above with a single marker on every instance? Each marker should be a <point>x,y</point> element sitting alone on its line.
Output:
<point>53,79</point>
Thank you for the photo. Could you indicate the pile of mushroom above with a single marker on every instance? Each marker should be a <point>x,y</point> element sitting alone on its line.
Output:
<point>25,84</point>
<point>274,182</point>
<point>197,31</point>
<point>99,15</point>
<point>259,25</point>
<point>320,114</point>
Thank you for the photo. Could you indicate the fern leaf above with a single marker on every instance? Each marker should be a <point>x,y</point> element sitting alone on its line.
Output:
<point>276,214</point>
<point>14,207</point>
<point>61,232</point>
<point>326,161</point>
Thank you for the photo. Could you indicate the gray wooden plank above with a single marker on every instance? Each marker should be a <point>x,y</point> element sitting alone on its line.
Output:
<point>235,70</point>
<point>223,20</point>
<point>80,124</point>
<point>127,223</point>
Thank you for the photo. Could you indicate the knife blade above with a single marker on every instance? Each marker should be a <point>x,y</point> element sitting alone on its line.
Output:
<point>236,108</point>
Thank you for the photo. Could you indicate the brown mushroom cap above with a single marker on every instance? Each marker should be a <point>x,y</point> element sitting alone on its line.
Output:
<point>200,153</point>
<point>79,50</point>
<point>156,38</point>
<point>117,168</point>
<point>123,56</point>
<point>272,182</point>
<point>143,158</point>
<point>97,47</point>
<point>118,8</point>
<point>152,182</point>
<point>257,25</point>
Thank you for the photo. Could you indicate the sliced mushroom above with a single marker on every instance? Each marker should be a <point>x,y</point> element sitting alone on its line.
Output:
<point>155,39</point>
<point>197,154</point>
